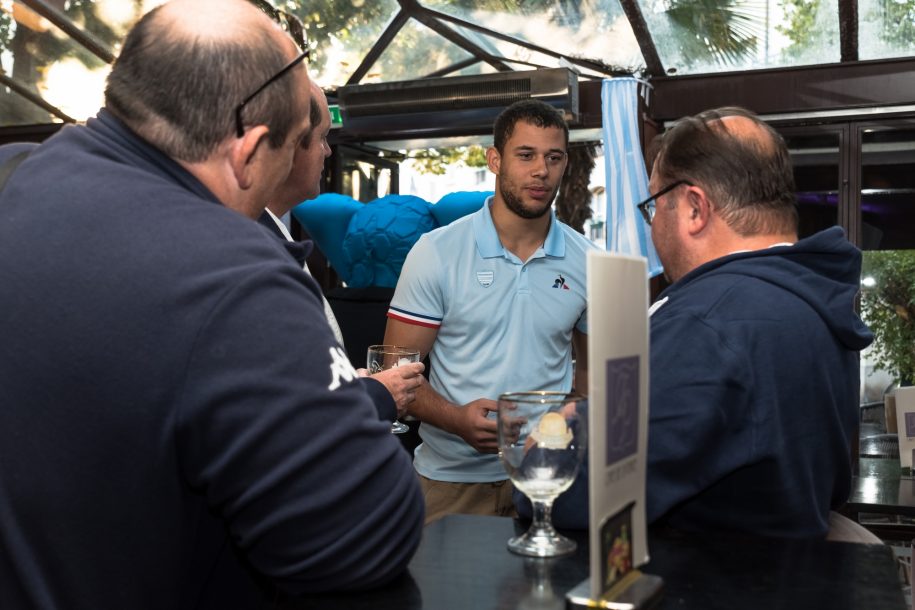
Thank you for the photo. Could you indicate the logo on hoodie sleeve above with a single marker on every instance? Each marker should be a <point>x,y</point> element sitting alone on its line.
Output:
<point>340,368</point>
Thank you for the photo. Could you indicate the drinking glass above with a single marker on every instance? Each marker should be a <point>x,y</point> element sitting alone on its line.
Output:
<point>383,357</point>
<point>542,442</point>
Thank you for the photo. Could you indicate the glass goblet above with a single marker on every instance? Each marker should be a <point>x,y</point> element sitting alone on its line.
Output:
<point>542,442</point>
<point>383,357</point>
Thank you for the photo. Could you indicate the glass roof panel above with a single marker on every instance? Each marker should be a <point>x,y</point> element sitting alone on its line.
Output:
<point>415,52</point>
<point>691,37</point>
<point>592,29</point>
<point>518,57</point>
<point>699,36</point>
<point>43,59</point>
<point>341,32</point>
<point>108,20</point>
<point>17,110</point>
<point>886,28</point>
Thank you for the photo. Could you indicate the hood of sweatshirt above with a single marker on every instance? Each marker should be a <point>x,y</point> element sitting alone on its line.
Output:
<point>824,270</point>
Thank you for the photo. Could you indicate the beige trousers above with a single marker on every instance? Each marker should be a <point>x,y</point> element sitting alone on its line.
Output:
<point>444,498</point>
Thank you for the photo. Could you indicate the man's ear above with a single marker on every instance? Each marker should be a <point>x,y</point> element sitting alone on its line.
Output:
<point>699,209</point>
<point>493,159</point>
<point>244,153</point>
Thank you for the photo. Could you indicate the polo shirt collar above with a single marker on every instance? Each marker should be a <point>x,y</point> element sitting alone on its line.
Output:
<point>487,238</point>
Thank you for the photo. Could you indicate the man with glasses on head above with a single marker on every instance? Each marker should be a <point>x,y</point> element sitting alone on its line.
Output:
<point>162,445</point>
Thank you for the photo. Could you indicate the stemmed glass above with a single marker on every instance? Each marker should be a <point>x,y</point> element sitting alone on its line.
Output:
<point>542,440</point>
<point>383,357</point>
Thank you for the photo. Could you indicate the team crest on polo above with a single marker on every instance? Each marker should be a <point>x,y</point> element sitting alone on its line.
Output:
<point>485,278</point>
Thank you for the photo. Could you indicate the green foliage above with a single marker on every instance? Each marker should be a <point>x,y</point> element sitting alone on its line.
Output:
<point>84,14</point>
<point>898,22</point>
<point>801,27</point>
<point>727,32</point>
<point>416,50</point>
<point>436,160</point>
<point>355,24</point>
<point>888,308</point>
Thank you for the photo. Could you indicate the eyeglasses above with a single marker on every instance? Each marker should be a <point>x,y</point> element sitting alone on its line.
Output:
<point>647,207</point>
<point>291,24</point>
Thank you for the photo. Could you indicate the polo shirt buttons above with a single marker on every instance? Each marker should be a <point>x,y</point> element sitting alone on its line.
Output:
<point>523,285</point>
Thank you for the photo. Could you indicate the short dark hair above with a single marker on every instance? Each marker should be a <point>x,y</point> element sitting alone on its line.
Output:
<point>749,179</point>
<point>180,91</point>
<point>530,111</point>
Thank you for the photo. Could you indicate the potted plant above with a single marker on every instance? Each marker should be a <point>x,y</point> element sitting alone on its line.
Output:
<point>888,308</point>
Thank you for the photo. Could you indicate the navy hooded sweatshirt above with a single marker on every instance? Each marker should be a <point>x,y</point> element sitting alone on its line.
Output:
<point>178,426</point>
<point>754,385</point>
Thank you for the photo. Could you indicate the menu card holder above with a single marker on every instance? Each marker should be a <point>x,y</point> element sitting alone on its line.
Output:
<point>618,436</point>
<point>640,591</point>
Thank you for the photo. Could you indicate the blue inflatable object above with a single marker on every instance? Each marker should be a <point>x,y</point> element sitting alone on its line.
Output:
<point>367,243</point>
<point>380,235</point>
<point>326,218</point>
<point>454,205</point>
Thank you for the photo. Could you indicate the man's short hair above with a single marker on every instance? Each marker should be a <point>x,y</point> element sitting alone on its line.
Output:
<point>748,179</point>
<point>180,91</point>
<point>530,111</point>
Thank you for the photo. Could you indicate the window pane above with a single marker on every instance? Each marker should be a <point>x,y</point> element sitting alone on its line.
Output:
<point>592,29</point>
<point>886,28</point>
<point>42,58</point>
<point>815,158</point>
<point>364,178</point>
<point>695,36</point>
<point>415,52</point>
<point>17,110</point>
<point>888,189</point>
<point>888,308</point>
<point>341,33</point>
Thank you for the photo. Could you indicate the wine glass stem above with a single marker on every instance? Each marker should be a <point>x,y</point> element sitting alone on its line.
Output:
<point>542,524</point>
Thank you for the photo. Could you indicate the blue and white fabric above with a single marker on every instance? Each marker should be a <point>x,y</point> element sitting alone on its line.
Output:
<point>627,179</point>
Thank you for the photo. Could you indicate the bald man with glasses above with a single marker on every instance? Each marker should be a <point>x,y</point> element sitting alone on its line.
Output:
<point>163,444</point>
<point>754,345</point>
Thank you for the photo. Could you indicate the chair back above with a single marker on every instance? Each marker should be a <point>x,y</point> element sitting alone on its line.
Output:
<point>843,529</point>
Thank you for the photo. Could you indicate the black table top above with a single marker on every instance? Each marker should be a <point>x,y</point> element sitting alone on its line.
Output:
<point>880,487</point>
<point>463,564</point>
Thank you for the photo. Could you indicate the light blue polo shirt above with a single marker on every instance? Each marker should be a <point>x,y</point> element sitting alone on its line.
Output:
<point>503,325</point>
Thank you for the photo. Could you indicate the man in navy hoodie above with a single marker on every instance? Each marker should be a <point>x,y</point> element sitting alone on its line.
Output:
<point>754,377</point>
<point>163,442</point>
<point>754,347</point>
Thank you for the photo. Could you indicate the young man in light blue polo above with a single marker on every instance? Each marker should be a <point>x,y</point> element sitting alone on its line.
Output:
<point>497,300</point>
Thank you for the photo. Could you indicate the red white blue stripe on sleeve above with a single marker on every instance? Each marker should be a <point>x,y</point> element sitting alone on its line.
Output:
<point>414,318</point>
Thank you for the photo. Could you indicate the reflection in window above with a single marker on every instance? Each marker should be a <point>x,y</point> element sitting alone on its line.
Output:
<point>815,158</point>
<point>593,29</point>
<point>886,28</point>
<point>341,32</point>
<point>415,52</point>
<point>366,181</point>
<point>696,36</point>
<point>888,189</point>
<point>49,64</point>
